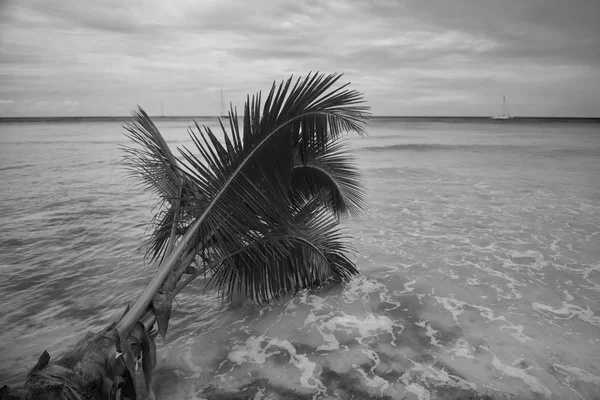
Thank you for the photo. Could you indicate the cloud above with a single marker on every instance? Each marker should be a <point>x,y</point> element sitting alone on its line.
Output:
<point>434,57</point>
<point>549,27</point>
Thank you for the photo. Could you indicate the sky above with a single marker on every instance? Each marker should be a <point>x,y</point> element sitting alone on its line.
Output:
<point>408,57</point>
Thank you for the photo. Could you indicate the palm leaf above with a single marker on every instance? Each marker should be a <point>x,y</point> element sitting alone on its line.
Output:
<point>151,160</point>
<point>318,250</point>
<point>158,171</point>
<point>331,169</point>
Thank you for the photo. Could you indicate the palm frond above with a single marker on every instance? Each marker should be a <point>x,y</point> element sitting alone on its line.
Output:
<point>152,160</point>
<point>157,169</point>
<point>317,250</point>
<point>331,169</point>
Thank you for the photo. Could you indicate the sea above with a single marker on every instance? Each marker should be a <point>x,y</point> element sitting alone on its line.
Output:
<point>478,252</point>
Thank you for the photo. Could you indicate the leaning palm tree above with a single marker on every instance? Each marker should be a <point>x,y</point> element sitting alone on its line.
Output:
<point>256,212</point>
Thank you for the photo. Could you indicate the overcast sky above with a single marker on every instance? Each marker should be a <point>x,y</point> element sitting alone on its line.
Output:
<point>409,57</point>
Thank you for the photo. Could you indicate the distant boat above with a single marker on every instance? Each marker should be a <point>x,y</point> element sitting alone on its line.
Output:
<point>224,113</point>
<point>505,114</point>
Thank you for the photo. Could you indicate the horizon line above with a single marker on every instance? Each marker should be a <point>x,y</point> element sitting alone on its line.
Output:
<point>219,116</point>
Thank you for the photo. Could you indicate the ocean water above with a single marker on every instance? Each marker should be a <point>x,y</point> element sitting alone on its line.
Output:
<point>479,255</point>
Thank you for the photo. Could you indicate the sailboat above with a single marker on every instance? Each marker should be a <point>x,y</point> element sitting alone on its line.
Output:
<point>505,114</point>
<point>224,113</point>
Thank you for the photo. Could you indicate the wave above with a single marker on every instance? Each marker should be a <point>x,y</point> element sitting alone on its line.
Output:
<point>487,148</point>
<point>16,167</point>
<point>119,141</point>
<point>570,152</point>
<point>440,146</point>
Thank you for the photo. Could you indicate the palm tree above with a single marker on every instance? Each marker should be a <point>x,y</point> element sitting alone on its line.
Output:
<point>256,212</point>
<point>243,204</point>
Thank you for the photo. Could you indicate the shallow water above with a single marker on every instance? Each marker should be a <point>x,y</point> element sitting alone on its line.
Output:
<point>479,253</point>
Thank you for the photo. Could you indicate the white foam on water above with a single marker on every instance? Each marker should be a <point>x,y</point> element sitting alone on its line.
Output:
<point>568,295</point>
<point>595,287</point>
<point>440,377</point>
<point>429,331</point>
<point>251,351</point>
<point>373,380</point>
<point>500,291</point>
<point>463,349</point>
<point>519,335</point>
<point>373,356</point>
<point>187,359</point>
<point>568,311</point>
<point>577,373</point>
<point>415,388</point>
<point>255,350</point>
<point>392,271</point>
<point>331,343</point>
<point>385,297</point>
<point>420,376</point>
<point>316,302</point>
<point>260,395</point>
<point>367,327</point>
<point>530,380</point>
<point>584,270</point>
<point>487,313</point>
<point>456,307</point>
<point>473,282</point>
<point>450,274</point>
<point>408,287</point>
<point>512,282</point>
<point>360,287</point>
<point>527,254</point>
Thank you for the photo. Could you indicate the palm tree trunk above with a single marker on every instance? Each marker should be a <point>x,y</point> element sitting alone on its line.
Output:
<point>141,304</point>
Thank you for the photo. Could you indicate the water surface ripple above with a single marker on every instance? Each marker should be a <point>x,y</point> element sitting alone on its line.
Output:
<point>479,254</point>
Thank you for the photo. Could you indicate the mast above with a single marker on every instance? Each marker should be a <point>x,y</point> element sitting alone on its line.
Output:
<point>505,106</point>
<point>162,111</point>
<point>504,114</point>
<point>222,102</point>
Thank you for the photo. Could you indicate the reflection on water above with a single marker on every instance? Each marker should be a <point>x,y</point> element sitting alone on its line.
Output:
<point>479,254</point>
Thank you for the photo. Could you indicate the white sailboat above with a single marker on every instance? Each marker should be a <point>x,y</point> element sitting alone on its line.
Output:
<point>505,114</point>
<point>224,113</point>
